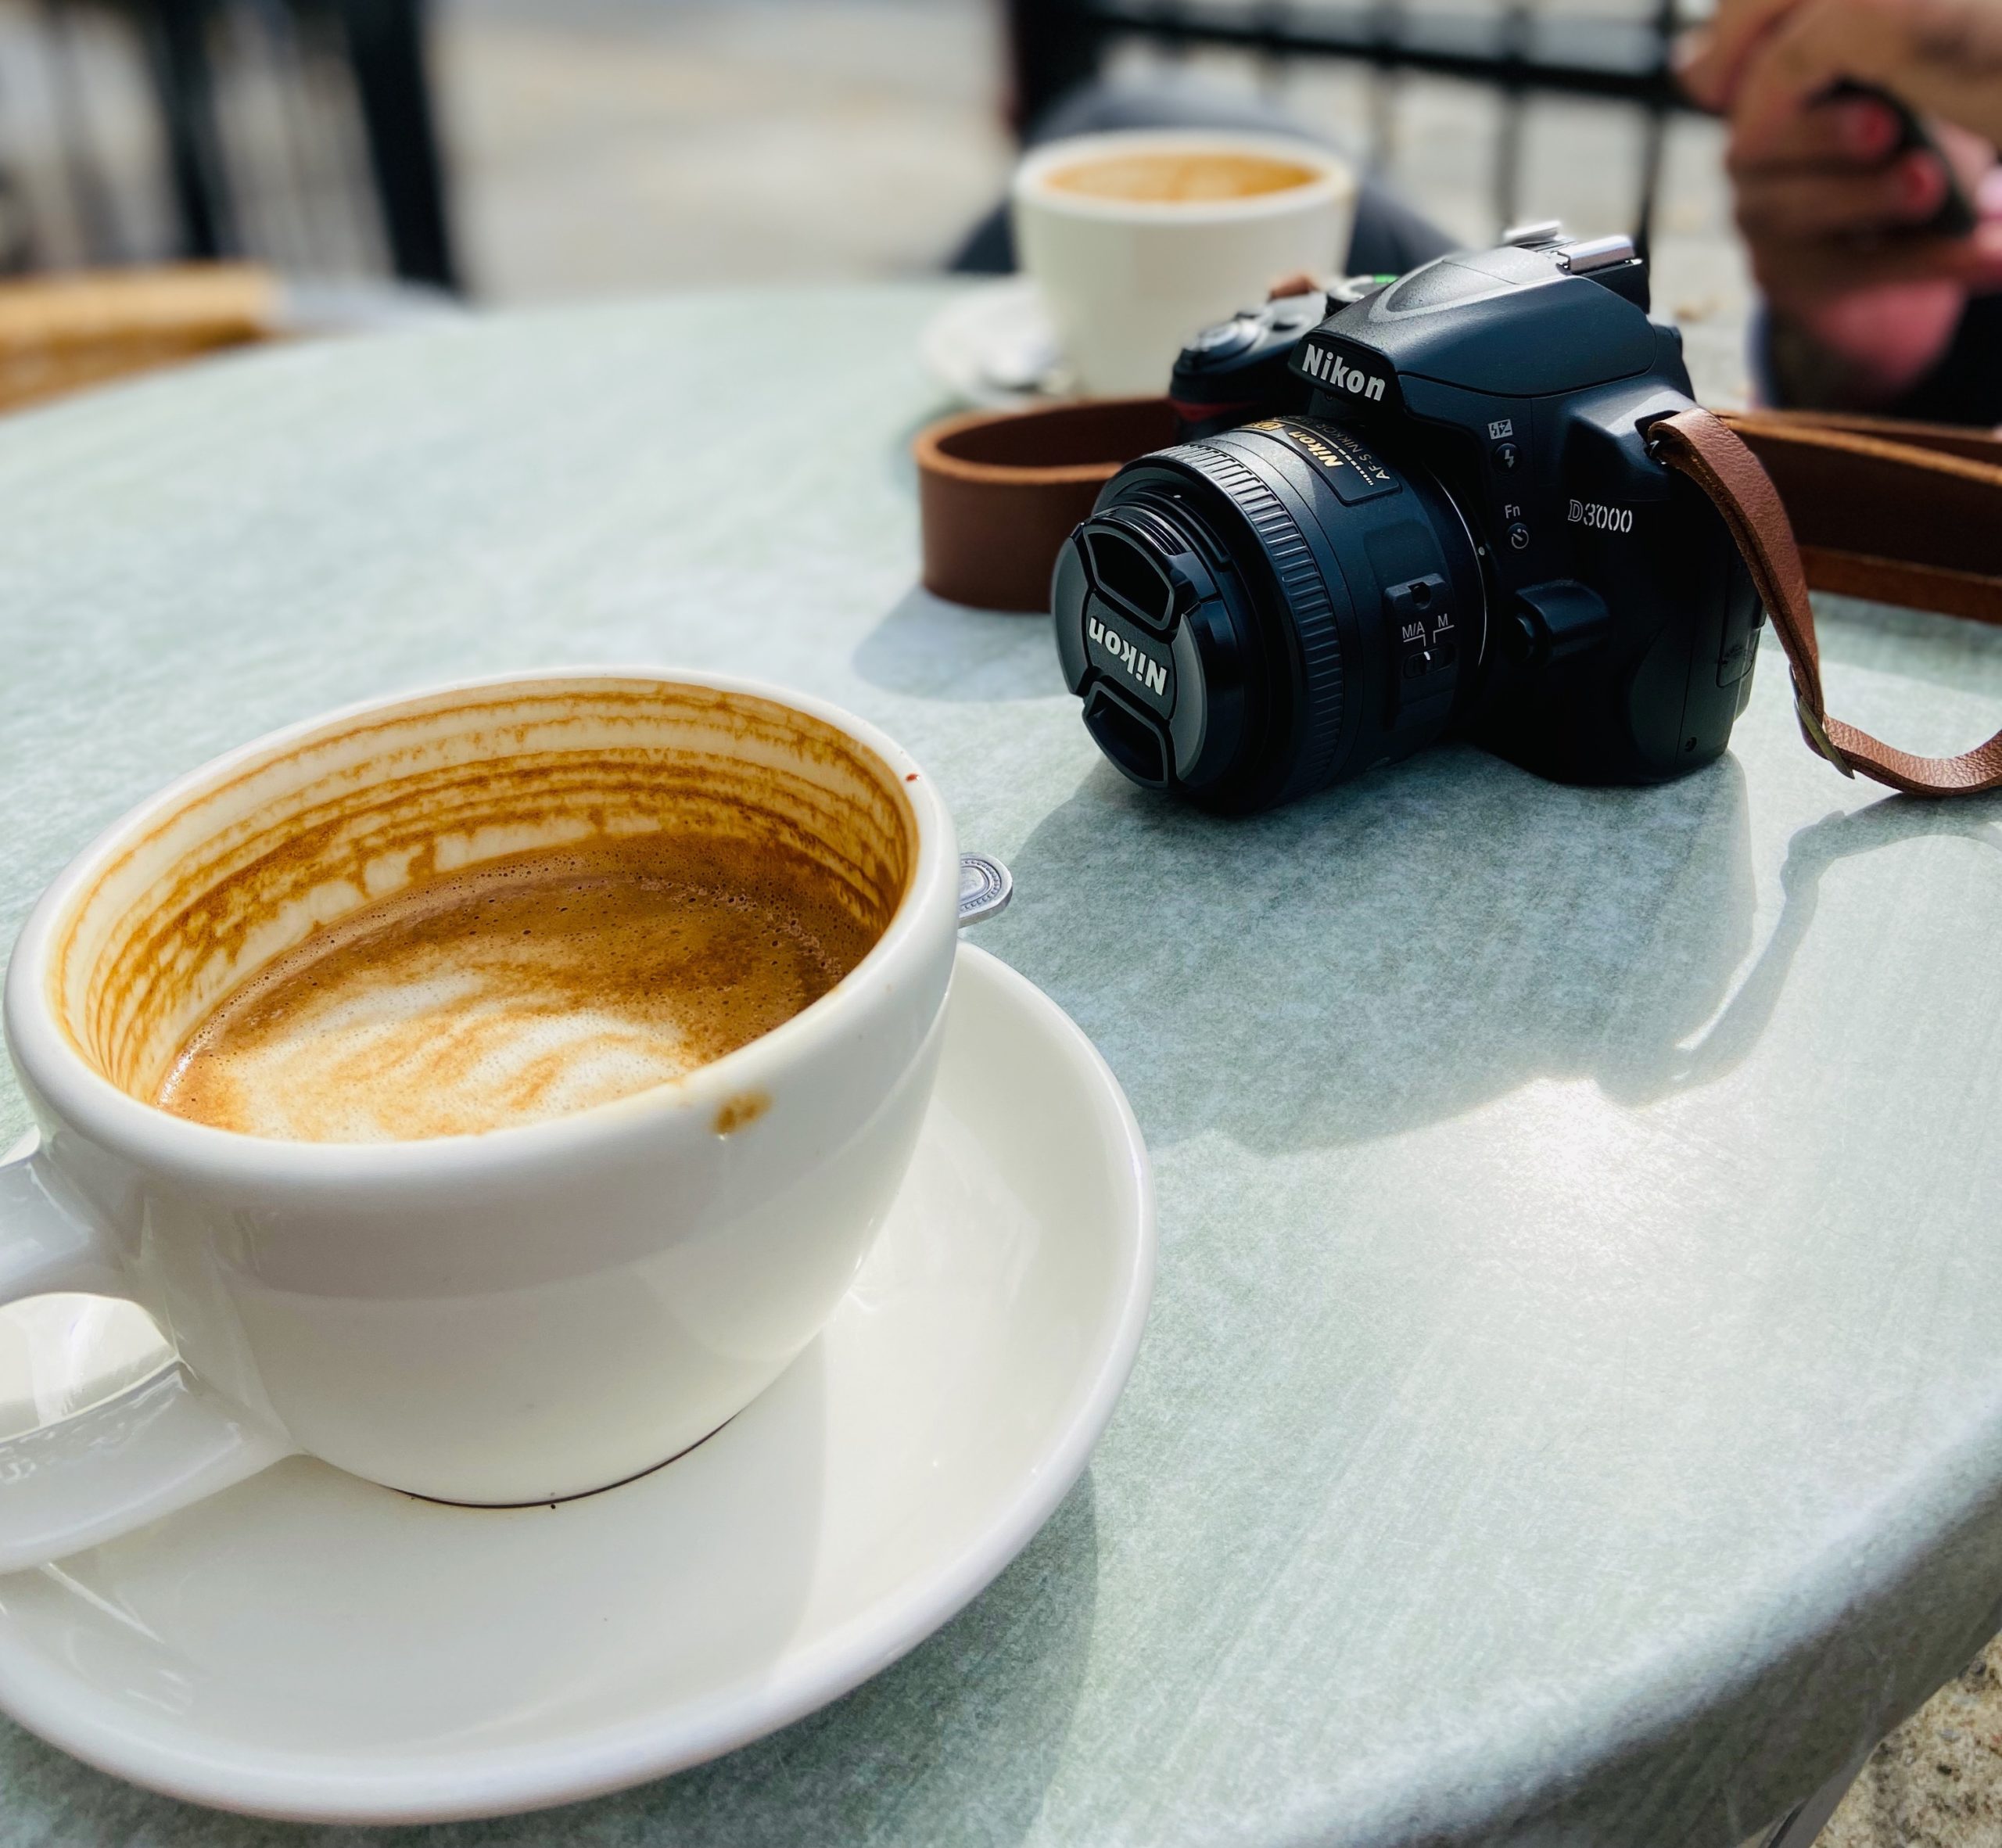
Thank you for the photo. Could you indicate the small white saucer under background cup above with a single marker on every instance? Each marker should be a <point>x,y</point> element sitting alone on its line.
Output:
<point>1129,281</point>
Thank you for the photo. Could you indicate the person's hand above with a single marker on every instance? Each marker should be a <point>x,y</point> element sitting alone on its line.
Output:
<point>1863,304</point>
<point>1764,61</point>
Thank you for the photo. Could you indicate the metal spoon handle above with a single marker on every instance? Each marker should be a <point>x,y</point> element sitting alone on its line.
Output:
<point>985,888</point>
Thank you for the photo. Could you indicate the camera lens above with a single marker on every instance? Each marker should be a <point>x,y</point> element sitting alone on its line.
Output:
<point>1253,616</point>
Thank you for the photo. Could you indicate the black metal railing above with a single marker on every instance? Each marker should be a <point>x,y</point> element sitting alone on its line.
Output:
<point>1519,49</point>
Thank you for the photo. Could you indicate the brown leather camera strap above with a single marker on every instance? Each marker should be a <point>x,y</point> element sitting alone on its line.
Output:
<point>1917,523</point>
<point>1903,513</point>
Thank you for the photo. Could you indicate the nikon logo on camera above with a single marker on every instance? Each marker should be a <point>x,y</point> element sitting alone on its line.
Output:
<point>1139,663</point>
<point>1334,374</point>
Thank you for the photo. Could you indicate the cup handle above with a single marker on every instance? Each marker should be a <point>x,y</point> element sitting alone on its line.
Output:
<point>164,1443</point>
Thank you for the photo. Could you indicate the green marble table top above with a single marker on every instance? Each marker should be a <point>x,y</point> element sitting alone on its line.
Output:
<point>1572,1410</point>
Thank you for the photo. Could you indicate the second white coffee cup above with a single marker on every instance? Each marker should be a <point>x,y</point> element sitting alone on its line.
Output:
<point>1128,280</point>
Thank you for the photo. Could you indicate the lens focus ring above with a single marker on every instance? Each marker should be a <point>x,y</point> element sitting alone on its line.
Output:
<point>1305,590</point>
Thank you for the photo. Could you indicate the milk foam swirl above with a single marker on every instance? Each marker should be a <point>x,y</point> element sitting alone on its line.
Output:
<point>526,987</point>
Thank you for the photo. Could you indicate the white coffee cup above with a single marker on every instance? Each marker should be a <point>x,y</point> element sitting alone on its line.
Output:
<point>518,1316</point>
<point>1127,282</point>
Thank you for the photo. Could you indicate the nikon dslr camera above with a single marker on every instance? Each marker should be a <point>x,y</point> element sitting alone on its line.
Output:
<point>1431,512</point>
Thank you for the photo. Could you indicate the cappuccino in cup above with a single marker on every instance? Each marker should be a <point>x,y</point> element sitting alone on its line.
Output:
<point>518,989</point>
<point>1180,178</point>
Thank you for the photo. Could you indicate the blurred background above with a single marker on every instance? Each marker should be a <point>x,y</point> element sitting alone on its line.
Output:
<point>511,151</point>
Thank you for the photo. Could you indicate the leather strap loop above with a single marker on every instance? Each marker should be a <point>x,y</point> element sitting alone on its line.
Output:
<point>1699,445</point>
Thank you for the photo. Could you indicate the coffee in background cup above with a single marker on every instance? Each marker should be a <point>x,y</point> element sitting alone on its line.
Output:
<point>1140,239</point>
<point>1163,177</point>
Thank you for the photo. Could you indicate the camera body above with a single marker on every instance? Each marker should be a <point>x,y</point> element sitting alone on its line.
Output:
<point>1431,511</point>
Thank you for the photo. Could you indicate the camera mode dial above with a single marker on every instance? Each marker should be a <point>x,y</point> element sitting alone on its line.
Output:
<point>1239,363</point>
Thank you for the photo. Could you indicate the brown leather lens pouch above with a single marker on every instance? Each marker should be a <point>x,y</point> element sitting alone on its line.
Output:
<point>999,492</point>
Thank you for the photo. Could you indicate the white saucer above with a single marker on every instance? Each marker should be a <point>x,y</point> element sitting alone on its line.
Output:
<point>993,346</point>
<point>307,1646</point>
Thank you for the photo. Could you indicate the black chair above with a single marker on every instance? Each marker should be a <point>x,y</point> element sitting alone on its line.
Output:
<point>345,175</point>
